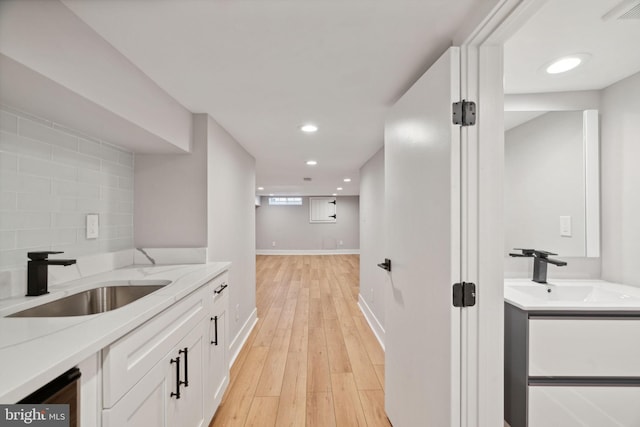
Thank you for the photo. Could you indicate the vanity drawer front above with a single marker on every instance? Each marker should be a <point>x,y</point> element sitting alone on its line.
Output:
<point>220,287</point>
<point>128,359</point>
<point>584,347</point>
<point>583,406</point>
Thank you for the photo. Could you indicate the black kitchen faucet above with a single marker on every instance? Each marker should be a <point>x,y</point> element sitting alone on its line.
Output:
<point>37,271</point>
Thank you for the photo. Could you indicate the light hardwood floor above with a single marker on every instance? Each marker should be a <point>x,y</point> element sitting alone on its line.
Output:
<point>312,359</point>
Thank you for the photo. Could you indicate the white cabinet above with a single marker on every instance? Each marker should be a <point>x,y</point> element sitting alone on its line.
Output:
<point>170,394</point>
<point>571,368</point>
<point>169,371</point>
<point>575,406</point>
<point>216,354</point>
<point>146,404</point>
<point>128,359</point>
<point>584,347</point>
<point>186,405</point>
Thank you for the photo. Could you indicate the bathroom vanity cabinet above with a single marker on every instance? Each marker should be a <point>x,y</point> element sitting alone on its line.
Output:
<point>173,369</point>
<point>571,368</point>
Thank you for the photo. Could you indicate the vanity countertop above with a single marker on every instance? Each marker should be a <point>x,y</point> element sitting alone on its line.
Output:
<point>571,295</point>
<point>34,351</point>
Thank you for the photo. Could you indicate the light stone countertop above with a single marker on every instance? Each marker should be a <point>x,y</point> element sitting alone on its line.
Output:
<point>572,295</point>
<point>34,351</point>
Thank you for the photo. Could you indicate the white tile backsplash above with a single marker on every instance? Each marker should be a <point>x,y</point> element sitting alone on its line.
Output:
<point>25,220</point>
<point>89,147</point>
<point>35,202</point>
<point>73,158</point>
<point>7,240</point>
<point>7,201</point>
<point>15,182</point>
<point>19,145</point>
<point>8,122</point>
<point>109,154</point>
<point>39,132</point>
<point>51,177</point>
<point>8,161</point>
<point>46,168</point>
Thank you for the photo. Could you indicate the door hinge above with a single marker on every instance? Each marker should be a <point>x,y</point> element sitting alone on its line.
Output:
<point>464,294</point>
<point>464,113</point>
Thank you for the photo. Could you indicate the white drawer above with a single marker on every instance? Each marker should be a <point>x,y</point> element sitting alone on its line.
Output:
<point>584,347</point>
<point>220,287</point>
<point>128,359</point>
<point>560,406</point>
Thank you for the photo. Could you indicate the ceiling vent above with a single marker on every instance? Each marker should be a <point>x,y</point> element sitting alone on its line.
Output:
<point>628,9</point>
<point>306,179</point>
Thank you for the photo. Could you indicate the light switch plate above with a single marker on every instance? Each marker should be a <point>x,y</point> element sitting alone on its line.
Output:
<point>565,226</point>
<point>93,226</point>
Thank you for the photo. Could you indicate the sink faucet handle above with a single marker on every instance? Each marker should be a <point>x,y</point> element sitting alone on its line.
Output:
<point>41,256</point>
<point>525,252</point>
<point>543,254</point>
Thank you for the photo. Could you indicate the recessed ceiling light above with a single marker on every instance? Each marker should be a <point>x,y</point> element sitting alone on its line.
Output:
<point>347,180</point>
<point>339,188</point>
<point>271,194</point>
<point>311,162</point>
<point>334,194</point>
<point>566,63</point>
<point>260,188</point>
<point>309,128</point>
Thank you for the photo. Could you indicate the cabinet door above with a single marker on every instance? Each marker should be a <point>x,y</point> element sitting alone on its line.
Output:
<point>217,363</point>
<point>584,347</point>
<point>145,404</point>
<point>583,406</point>
<point>188,411</point>
<point>127,360</point>
<point>152,401</point>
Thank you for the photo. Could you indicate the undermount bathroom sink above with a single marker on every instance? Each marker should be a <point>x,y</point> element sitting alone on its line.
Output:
<point>573,293</point>
<point>107,297</point>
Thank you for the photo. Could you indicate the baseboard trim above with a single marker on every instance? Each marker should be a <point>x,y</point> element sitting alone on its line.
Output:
<point>308,252</point>
<point>242,336</point>
<point>372,320</point>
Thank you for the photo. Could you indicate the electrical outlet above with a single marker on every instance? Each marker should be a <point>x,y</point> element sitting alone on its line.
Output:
<point>237,312</point>
<point>340,243</point>
<point>273,244</point>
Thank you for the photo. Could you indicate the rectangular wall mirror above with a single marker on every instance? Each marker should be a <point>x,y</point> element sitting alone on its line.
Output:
<point>552,196</point>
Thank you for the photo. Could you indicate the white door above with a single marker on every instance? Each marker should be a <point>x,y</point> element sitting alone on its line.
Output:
<point>422,199</point>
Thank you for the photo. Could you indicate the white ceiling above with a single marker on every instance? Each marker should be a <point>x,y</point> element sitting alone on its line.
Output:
<point>564,27</point>
<point>262,68</point>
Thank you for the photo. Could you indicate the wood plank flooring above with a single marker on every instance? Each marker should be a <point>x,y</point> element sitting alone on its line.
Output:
<point>312,359</point>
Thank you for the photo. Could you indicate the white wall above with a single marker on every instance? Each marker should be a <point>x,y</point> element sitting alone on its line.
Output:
<point>372,242</point>
<point>620,160</point>
<point>171,195</point>
<point>544,179</point>
<point>231,222</point>
<point>289,227</point>
<point>50,179</point>
<point>48,38</point>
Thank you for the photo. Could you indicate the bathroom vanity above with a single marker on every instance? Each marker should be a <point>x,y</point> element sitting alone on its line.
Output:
<point>572,352</point>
